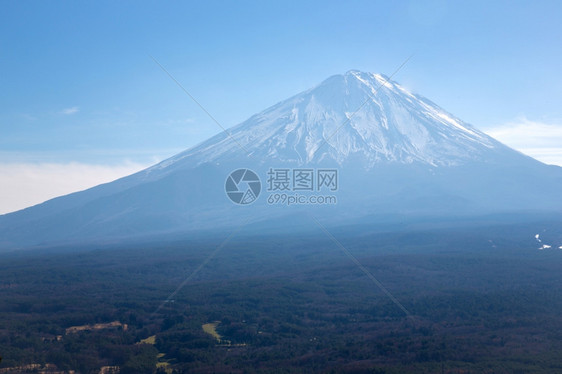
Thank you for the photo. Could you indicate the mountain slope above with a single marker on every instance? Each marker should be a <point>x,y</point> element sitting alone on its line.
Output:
<point>396,153</point>
<point>356,115</point>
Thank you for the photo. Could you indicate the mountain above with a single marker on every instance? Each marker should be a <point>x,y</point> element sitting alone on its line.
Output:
<point>358,116</point>
<point>394,154</point>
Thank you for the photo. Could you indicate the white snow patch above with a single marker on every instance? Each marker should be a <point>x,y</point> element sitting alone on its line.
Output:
<point>383,82</point>
<point>455,123</point>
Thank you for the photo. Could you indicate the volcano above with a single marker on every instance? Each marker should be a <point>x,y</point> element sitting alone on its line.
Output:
<point>394,155</point>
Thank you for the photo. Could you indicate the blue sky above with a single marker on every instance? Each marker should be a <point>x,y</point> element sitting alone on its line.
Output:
<point>82,102</point>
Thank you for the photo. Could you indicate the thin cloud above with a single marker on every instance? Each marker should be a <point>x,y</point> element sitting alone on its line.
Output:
<point>539,140</point>
<point>69,111</point>
<point>26,184</point>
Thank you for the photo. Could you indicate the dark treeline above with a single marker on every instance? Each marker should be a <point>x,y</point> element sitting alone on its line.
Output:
<point>482,300</point>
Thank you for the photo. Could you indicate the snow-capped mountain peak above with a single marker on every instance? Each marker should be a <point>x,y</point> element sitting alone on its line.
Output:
<point>420,160</point>
<point>357,116</point>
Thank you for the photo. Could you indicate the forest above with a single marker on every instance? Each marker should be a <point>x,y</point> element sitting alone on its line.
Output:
<point>479,299</point>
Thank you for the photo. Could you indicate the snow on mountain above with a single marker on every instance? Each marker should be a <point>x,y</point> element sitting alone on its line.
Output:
<point>359,116</point>
<point>398,154</point>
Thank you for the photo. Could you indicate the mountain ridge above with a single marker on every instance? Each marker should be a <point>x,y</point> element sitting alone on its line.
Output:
<point>397,153</point>
<point>322,127</point>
